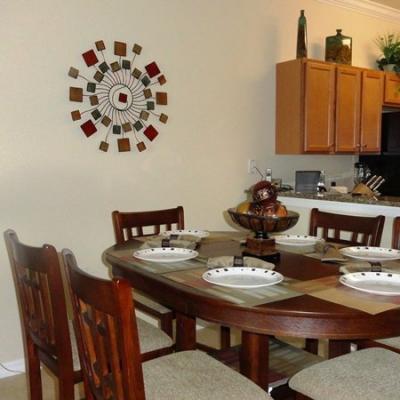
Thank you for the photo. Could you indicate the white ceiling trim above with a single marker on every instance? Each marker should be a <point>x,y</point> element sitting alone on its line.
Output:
<point>368,7</point>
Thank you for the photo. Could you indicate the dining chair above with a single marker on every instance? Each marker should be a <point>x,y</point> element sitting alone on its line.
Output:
<point>367,374</point>
<point>362,231</point>
<point>128,225</point>
<point>392,343</point>
<point>43,313</point>
<point>47,331</point>
<point>106,331</point>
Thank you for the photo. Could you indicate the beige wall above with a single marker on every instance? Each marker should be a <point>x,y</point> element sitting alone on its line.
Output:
<point>219,57</point>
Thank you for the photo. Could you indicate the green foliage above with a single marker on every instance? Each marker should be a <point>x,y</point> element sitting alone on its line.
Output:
<point>389,45</point>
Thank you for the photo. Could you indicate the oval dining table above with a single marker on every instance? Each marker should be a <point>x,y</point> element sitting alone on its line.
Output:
<point>309,303</point>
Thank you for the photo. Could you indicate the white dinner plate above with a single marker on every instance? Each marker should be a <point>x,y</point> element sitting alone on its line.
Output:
<point>383,283</point>
<point>372,254</point>
<point>165,254</point>
<point>194,232</point>
<point>242,277</point>
<point>296,240</point>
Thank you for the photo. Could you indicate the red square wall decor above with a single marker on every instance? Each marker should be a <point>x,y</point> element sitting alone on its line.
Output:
<point>90,58</point>
<point>150,132</point>
<point>152,69</point>
<point>88,128</point>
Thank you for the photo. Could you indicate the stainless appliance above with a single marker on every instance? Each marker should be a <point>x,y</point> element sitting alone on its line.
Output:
<point>307,181</point>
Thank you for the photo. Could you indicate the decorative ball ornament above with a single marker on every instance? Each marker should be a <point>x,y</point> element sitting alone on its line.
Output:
<point>119,98</point>
<point>264,192</point>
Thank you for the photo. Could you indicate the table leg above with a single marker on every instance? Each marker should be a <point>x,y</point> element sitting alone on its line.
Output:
<point>338,348</point>
<point>185,332</point>
<point>254,358</point>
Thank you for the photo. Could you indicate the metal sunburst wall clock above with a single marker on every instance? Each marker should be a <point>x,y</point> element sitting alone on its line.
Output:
<point>119,98</point>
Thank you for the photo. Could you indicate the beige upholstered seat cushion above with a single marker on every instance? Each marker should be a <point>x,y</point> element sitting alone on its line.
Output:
<point>370,374</point>
<point>150,338</point>
<point>193,375</point>
<point>392,342</point>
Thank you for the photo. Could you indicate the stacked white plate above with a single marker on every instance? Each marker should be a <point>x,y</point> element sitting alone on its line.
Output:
<point>296,240</point>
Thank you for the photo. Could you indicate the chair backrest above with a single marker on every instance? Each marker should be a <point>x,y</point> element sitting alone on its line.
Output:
<point>364,231</point>
<point>127,225</point>
<point>396,233</point>
<point>106,331</point>
<point>40,294</point>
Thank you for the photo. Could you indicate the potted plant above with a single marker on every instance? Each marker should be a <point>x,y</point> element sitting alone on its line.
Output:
<point>389,45</point>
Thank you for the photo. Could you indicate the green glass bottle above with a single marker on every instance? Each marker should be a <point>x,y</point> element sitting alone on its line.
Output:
<point>338,48</point>
<point>302,36</point>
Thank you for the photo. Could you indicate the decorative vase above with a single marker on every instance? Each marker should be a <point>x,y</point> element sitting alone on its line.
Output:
<point>389,67</point>
<point>302,36</point>
<point>338,48</point>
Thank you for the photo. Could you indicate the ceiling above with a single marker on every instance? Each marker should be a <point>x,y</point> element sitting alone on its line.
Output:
<point>389,3</point>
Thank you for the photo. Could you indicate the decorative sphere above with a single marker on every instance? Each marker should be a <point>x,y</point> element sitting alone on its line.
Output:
<point>264,192</point>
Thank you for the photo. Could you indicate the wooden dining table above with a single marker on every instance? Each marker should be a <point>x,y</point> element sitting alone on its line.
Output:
<point>309,303</point>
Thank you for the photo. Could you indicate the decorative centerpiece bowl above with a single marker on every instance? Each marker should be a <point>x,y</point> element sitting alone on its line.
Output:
<point>264,215</point>
<point>262,225</point>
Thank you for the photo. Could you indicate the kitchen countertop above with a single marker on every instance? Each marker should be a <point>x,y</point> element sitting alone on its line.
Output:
<point>390,201</point>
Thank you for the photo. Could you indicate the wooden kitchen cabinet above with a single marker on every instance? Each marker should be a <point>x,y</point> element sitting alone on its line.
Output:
<point>304,107</point>
<point>358,112</point>
<point>327,108</point>
<point>392,89</point>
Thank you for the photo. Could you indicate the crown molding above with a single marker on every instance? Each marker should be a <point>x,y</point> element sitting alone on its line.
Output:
<point>368,7</point>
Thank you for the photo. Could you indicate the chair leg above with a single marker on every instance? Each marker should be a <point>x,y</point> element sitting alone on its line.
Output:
<point>33,371</point>
<point>225,337</point>
<point>166,323</point>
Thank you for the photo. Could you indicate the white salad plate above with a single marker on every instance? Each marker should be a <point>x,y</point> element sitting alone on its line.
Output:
<point>296,240</point>
<point>242,277</point>
<point>372,254</point>
<point>383,283</point>
<point>194,232</point>
<point>165,254</point>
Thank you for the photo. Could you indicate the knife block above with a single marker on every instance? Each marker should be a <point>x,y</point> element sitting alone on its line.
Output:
<point>363,190</point>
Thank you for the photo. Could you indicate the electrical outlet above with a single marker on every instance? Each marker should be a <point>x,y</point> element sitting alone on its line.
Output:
<point>251,166</point>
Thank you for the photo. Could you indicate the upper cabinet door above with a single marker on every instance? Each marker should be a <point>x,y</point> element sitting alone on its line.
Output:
<point>319,107</point>
<point>392,88</point>
<point>347,117</point>
<point>371,111</point>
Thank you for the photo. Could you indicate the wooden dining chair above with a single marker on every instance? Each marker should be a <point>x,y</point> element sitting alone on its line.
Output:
<point>47,331</point>
<point>392,343</point>
<point>106,331</point>
<point>128,225</point>
<point>40,295</point>
<point>362,231</point>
